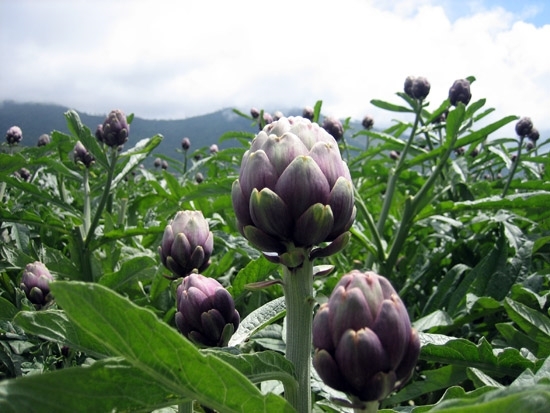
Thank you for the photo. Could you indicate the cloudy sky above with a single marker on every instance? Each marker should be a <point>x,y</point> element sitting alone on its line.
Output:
<point>167,60</point>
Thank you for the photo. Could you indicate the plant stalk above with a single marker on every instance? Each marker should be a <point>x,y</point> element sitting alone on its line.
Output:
<point>513,170</point>
<point>298,289</point>
<point>104,198</point>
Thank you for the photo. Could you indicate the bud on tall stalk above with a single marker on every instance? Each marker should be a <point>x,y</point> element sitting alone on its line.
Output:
<point>115,129</point>
<point>14,135</point>
<point>206,311</point>
<point>187,244</point>
<point>294,190</point>
<point>364,343</point>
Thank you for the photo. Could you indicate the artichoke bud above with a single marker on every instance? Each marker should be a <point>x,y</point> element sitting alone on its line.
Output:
<point>43,139</point>
<point>206,312</point>
<point>14,135</point>
<point>185,144</point>
<point>334,127</point>
<point>460,92</point>
<point>187,244</point>
<point>115,129</point>
<point>417,87</point>
<point>364,343</point>
<point>35,283</point>
<point>294,190</point>
<point>81,154</point>
<point>524,126</point>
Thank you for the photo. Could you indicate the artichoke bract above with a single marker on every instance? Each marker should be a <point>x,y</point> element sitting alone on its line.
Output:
<point>187,244</point>
<point>35,283</point>
<point>294,190</point>
<point>206,312</point>
<point>364,343</point>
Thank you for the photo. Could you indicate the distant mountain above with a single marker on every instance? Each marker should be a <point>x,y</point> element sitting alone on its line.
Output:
<point>35,119</point>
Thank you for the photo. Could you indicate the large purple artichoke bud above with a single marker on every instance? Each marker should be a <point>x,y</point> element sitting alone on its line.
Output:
<point>524,126</point>
<point>187,244</point>
<point>364,343</point>
<point>35,283</point>
<point>14,135</point>
<point>294,190</point>
<point>115,129</point>
<point>206,311</point>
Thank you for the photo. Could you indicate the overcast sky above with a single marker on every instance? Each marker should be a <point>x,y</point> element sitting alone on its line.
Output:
<point>168,60</point>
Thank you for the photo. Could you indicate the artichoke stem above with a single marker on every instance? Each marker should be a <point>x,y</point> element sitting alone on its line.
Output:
<point>368,407</point>
<point>186,407</point>
<point>298,289</point>
<point>514,167</point>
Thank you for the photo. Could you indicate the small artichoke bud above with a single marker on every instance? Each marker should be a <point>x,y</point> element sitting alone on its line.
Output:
<point>368,122</point>
<point>294,190</point>
<point>158,162</point>
<point>14,135</point>
<point>534,135</point>
<point>460,92</point>
<point>395,155</point>
<point>267,120</point>
<point>441,118</point>
<point>530,146</point>
<point>35,283</point>
<point>81,154</point>
<point>24,174</point>
<point>115,129</point>
<point>164,164</point>
<point>278,115</point>
<point>363,340</point>
<point>255,113</point>
<point>199,177</point>
<point>187,244</point>
<point>460,151</point>
<point>417,87</point>
<point>474,153</point>
<point>43,139</point>
<point>214,149</point>
<point>206,312</point>
<point>524,126</point>
<point>334,127</point>
<point>308,113</point>
<point>185,144</point>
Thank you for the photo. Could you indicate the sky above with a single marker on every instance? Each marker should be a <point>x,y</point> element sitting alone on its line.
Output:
<point>176,59</point>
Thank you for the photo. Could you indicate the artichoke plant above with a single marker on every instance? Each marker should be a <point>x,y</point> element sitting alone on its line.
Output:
<point>364,343</point>
<point>206,312</point>
<point>35,283</point>
<point>187,244</point>
<point>294,190</point>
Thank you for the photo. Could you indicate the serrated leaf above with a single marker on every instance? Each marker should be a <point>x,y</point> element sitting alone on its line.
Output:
<point>108,385</point>
<point>533,322</point>
<point>258,319</point>
<point>158,350</point>
<point>256,270</point>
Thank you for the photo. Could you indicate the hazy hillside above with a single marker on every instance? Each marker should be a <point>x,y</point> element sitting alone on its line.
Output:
<point>35,119</point>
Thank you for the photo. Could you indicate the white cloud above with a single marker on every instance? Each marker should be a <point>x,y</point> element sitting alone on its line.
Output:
<point>175,59</point>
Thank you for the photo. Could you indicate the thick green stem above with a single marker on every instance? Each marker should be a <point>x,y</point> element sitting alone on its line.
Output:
<point>103,200</point>
<point>394,175</point>
<point>186,407</point>
<point>513,170</point>
<point>368,407</point>
<point>298,289</point>
<point>87,203</point>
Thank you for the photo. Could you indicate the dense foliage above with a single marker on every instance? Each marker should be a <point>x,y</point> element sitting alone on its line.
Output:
<point>451,212</point>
